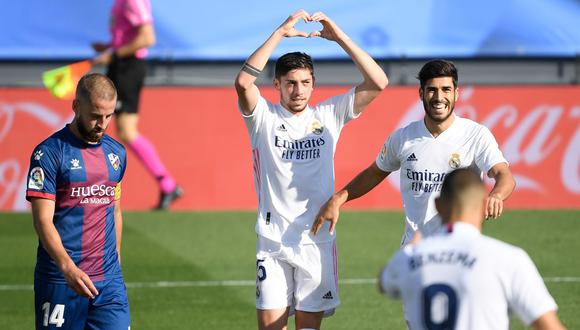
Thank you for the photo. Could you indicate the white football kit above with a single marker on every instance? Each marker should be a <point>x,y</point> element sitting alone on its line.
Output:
<point>293,165</point>
<point>424,162</point>
<point>461,279</point>
<point>294,176</point>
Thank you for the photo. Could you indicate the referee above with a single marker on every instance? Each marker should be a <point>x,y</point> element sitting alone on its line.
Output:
<point>131,34</point>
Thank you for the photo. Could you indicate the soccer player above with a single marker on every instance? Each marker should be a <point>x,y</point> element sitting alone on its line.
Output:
<point>293,148</point>
<point>461,279</point>
<point>132,32</point>
<point>425,151</point>
<point>74,189</point>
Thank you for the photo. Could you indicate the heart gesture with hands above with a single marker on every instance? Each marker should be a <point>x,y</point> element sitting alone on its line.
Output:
<point>330,30</point>
<point>288,28</point>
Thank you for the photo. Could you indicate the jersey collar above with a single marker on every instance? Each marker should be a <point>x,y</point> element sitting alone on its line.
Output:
<point>462,228</point>
<point>445,132</point>
<point>286,114</point>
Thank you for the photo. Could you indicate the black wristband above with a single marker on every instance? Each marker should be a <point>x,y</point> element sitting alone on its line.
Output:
<point>251,70</point>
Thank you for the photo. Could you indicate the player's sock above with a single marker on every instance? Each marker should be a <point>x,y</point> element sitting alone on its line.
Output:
<point>146,153</point>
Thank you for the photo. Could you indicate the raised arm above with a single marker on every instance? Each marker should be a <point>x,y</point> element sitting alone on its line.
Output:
<point>42,214</point>
<point>245,81</point>
<point>364,182</point>
<point>502,189</point>
<point>375,79</point>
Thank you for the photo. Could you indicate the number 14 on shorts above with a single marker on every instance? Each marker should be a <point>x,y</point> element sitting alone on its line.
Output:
<point>56,317</point>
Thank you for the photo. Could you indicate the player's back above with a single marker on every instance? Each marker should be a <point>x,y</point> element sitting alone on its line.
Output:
<point>464,280</point>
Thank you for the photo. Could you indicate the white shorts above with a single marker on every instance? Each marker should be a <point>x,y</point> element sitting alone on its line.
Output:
<point>303,277</point>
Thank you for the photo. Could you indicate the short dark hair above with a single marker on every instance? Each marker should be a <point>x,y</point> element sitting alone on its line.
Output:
<point>95,85</point>
<point>438,68</point>
<point>458,183</point>
<point>292,61</point>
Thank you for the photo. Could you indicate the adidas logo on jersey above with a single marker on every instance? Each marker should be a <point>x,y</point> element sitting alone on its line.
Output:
<point>328,295</point>
<point>281,128</point>
<point>412,158</point>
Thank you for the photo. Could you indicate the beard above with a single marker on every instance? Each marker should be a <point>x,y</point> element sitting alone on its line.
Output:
<point>91,135</point>
<point>427,107</point>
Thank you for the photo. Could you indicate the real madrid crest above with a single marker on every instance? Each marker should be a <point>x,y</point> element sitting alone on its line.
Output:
<point>454,161</point>
<point>316,127</point>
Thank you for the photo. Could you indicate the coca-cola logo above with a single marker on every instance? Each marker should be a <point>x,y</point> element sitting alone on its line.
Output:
<point>13,173</point>
<point>537,129</point>
<point>571,159</point>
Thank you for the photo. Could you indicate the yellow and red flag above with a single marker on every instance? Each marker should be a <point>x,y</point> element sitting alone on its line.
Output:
<point>62,81</point>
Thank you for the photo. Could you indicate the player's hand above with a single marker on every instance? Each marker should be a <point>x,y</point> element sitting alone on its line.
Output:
<point>329,31</point>
<point>328,212</point>
<point>103,58</point>
<point>79,281</point>
<point>493,207</point>
<point>287,28</point>
<point>416,238</point>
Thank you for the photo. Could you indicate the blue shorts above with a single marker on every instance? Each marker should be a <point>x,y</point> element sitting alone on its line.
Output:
<point>57,306</point>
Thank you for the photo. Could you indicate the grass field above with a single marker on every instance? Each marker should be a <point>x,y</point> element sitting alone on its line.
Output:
<point>192,252</point>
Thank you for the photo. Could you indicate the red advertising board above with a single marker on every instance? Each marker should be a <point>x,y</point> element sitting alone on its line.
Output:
<point>201,137</point>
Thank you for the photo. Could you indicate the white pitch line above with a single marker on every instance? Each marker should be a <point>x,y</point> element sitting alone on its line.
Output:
<point>242,283</point>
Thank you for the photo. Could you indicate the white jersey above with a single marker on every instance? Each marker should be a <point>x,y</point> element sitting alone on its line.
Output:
<point>467,281</point>
<point>294,165</point>
<point>424,162</point>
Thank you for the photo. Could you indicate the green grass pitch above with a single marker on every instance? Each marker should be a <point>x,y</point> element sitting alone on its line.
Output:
<point>190,252</point>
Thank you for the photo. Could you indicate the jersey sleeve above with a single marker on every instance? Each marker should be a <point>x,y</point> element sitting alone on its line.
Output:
<point>488,154</point>
<point>342,107</point>
<point>138,12</point>
<point>388,158</point>
<point>118,190</point>
<point>528,298</point>
<point>390,280</point>
<point>124,163</point>
<point>254,120</point>
<point>42,173</point>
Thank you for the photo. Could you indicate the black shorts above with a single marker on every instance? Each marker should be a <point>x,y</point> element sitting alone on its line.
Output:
<point>128,75</point>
